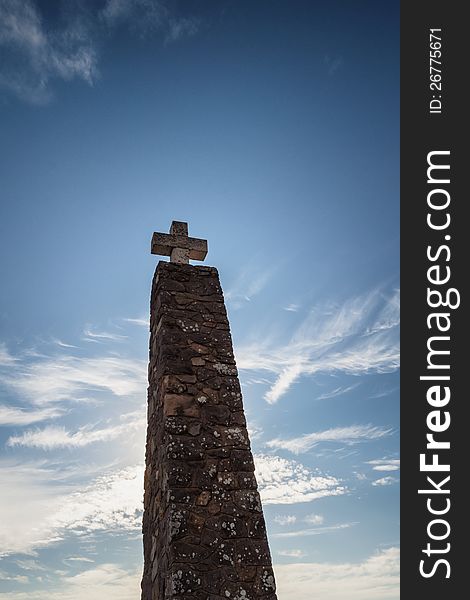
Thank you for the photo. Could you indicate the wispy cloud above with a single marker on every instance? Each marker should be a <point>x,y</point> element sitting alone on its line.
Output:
<point>376,578</point>
<point>18,578</point>
<point>385,464</point>
<point>284,381</point>
<point>389,315</point>
<point>93,335</point>
<point>6,359</point>
<point>62,344</point>
<point>35,54</point>
<point>384,481</point>
<point>142,321</point>
<point>140,14</point>
<point>339,391</point>
<point>79,559</point>
<point>46,502</point>
<point>295,553</point>
<point>284,481</point>
<point>358,337</point>
<point>384,392</point>
<point>315,531</point>
<point>144,17</point>
<point>182,27</point>
<point>255,431</point>
<point>255,381</point>
<point>340,435</point>
<point>14,415</point>
<point>291,307</point>
<point>250,281</point>
<point>51,437</point>
<point>67,377</point>
<point>333,64</point>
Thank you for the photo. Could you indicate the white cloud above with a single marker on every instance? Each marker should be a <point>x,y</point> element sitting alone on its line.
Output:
<point>341,435</point>
<point>45,502</point>
<point>315,531</point>
<point>284,481</point>
<point>314,519</point>
<point>358,337</point>
<point>51,437</point>
<point>295,553</point>
<point>25,504</point>
<point>111,502</point>
<point>102,581</point>
<point>285,519</point>
<point>376,578</point>
<point>384,481</point>
<point>40,506</point>
<point>385,464</point>
<point>14,415</point>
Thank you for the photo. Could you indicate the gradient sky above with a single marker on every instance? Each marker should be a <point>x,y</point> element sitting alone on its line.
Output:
<point>273,128</point>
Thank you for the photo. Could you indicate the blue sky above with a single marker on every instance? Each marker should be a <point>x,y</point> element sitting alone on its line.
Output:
<point>273,128</point>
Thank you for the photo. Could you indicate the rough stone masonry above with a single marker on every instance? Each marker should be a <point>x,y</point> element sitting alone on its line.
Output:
<point>203,526</point>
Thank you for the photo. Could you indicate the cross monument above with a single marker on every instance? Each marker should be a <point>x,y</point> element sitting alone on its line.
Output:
<point>203,526</point>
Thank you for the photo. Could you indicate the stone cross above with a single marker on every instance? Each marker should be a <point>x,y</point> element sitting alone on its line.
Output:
<point>178,245</point>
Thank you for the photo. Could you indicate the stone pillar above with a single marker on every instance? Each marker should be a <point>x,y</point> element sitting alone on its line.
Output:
<point>204,531</point>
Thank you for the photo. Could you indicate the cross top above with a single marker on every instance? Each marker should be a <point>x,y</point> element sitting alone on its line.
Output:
<point>178,245</point>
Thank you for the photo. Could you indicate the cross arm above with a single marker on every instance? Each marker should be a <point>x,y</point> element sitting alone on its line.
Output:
<point>164,243</point>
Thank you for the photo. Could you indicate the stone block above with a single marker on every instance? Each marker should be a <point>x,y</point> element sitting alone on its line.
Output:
<point>180,404</point>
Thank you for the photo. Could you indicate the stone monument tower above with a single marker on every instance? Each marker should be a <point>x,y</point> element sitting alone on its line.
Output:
<point>203,526</point>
